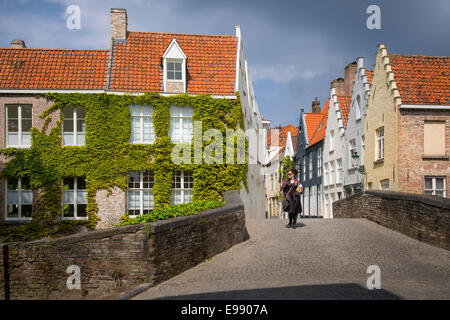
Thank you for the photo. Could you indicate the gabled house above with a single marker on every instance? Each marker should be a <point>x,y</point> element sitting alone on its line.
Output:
<point>407,126</point>
<point>309,158</point>
<point>353,158</point>
<point>281,142</point>
<point>333,150</point>
<point>137,63</point>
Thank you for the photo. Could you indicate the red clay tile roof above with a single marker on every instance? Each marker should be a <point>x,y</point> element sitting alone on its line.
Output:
<point>272,136</point>
<point>312,121</point>
<point>29,68</point>
<point>369,74</point>
<point>422,79</point>
<point>319,134</point>
<point>344,104</point>
<point>211,62</point>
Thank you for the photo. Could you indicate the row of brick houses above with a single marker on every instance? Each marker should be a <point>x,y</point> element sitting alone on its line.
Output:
<point>387,128</point>
<point>137,62</point>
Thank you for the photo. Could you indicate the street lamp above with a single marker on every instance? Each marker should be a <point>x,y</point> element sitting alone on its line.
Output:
<point>355,162</point>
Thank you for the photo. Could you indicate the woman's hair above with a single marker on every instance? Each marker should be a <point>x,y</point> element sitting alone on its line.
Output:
<point>294,171</point>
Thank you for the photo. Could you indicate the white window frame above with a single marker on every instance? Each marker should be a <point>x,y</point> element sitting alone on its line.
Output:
<point>182,189</point>
<point>181,62</point>
<point>19,204</point>
<point>379,149</point>
<point>351,149</point>
<point>331,140</point>
<point>433,185</point>
<point>332,172</point>
<point>319,162</point>
<point>141,190</point>
<point>383,182</point>
<point>180,119</point>
<point>310,166</point>
<point>339,170</point>
<point>75,201</point>
<point>19,129</point>
<point>141,118</point>
<point>75,129</point>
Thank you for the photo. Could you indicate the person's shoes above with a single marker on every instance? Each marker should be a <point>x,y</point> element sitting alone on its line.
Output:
<point>288,225</point>
<point>294,225</point>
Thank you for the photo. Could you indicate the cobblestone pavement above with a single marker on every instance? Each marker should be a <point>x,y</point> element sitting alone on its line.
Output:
<point>321,259</point>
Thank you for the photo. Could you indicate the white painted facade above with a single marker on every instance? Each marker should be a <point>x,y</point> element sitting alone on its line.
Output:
<point>354,133</point>
<point>254,199</point>
<point>333,151</point>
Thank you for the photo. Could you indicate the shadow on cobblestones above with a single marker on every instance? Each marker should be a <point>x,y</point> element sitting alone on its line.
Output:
<point>341,291</point>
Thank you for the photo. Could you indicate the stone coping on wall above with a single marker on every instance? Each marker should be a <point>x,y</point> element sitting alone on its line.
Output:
<point>232,200</point>
<point>426,199</point>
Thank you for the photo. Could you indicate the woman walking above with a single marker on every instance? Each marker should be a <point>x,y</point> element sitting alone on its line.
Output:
<point>291,188</point>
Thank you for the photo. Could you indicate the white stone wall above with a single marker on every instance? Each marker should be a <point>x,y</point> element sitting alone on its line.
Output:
<point>254,199</point>
<point>332,188</point>
<point>355,126</point>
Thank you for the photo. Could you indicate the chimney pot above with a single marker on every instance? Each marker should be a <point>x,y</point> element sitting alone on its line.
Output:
<point>17,43</point>
<point>119,24</point>
<point>316,106</point>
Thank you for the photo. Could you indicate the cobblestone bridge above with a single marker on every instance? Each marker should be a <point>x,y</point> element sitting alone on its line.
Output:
<point>320,259</point>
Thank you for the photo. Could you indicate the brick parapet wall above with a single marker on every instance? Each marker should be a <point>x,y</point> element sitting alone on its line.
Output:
<point>114,260</point>
<point>425,218</point>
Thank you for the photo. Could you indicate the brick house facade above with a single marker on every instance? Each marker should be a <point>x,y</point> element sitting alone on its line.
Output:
<point>136,62</point>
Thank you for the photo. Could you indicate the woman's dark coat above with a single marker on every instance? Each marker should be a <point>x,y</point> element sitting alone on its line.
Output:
<point>292,202</point>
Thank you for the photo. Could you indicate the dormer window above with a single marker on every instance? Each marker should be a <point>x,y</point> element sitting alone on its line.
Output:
<point>174,66</point>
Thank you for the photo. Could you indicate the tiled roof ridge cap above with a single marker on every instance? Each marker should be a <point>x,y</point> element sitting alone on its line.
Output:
<point>54,49</point>
<point>185,34</point>
<point>417,55</point>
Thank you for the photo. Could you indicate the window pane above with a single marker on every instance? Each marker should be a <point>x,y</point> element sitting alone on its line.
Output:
<point>429,192</point>
<point>68,139</point>
<point>178,75</point>
<point>81,113</point>
<point>81,139</point>
<point>68,184</point>
<point>12,197</point>
<point>133,202</point>
<point>68,126</point>
<point>428,183</point>
<point>13,184</point>
<point>68,211</point>
<point>26,139</point>
<point>148,179</point>
<point>27,197</point>
<point>27,210</point>
<point>13,139</point>
<point>177,66</point>
<point>68,197</point>
<point>135,110</point>
<point>135,129</point>
<point>26,111</point>
<point>13,211</point>
<point>81,125</point>
<point>133,180</point>
<point>176,197</point>
<point>170,75</point>
<point>440,183</point>
<point>170,66</point>
<point>81,210</point>
<point>81,183</point>
<point>68,113</point>
<point>148,200</point>
<point>26,125</point>
<point>440,194</point>
<point>13,112</point>
<point>187,196</point>
<point>147,110</point>
<point>188,180</point>
<point>81,197</point>
<point>175,111</point>
<point>13,125</point>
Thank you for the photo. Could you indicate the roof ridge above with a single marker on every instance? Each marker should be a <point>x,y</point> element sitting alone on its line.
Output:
<point>53,49</point>
<point>185,34</point>
<point>417,55</point>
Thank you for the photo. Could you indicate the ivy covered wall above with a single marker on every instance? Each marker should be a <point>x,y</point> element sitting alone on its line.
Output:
<point>107,157</point>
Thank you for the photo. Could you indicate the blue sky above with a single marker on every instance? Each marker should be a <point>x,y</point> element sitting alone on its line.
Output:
<point>294,48</point>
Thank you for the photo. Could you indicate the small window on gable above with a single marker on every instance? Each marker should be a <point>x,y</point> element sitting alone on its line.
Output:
<point>174,66</point>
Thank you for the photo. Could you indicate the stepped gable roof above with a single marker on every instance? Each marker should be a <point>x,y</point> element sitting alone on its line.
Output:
<point>422,79</point>
<point>319,134</point>
<point>30,68</point>
<point>344,103</point>
<point>211,62</point>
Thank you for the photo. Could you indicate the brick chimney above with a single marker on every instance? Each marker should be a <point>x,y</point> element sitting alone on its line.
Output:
<point>316,106</point>
<point>349,77</point>
<point>17,43</point>
<point>338,84</point>
<point>119,23</point>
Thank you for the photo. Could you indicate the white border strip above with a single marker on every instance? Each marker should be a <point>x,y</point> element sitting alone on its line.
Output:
<point>32,91</point>
<point>424,106</point>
